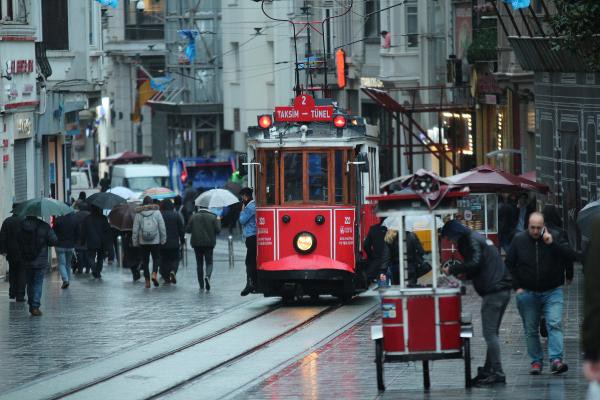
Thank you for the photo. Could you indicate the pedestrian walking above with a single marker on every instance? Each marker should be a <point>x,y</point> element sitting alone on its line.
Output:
<point>9,247</point>
<point>149,233</point>
<point>170,251</point>
<point>374,246</point>
<point>248,221</point>
<point>189,197</point>
<point>131,255</point>
<point>35,236</point>
<point>483,265</point>
<point>535,262</point>
<point>96,237</point>
<point>82,262</point>
<point>67,232</point>
<point>591,324</point>
<point>204,227</point>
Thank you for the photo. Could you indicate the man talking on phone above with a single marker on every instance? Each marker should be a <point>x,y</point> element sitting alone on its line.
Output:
<point>534,260</point>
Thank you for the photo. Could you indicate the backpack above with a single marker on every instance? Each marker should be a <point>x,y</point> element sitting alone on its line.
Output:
<point>30,244</point>
<point>149,228</point>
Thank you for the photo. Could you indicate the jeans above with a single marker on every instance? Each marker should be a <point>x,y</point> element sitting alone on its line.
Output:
<point>169,262</point>
<point>65,257</point>
<point>251,258</point>
<point>492,309</point>
<point>203,254</point>
<point>96,260</point>
<point>35,282</point>
<point>16,279</point>
<point>145,252</point>
<point>531,305</point>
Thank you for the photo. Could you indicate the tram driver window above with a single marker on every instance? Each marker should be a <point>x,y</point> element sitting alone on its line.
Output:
<point>317,177</point>
<point>292,176</point>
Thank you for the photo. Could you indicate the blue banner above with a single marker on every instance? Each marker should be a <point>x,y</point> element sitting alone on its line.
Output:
<point>190,49</point>
<point>160,83</point>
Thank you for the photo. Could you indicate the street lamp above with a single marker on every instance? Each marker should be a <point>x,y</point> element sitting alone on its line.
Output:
<point>140,5</point>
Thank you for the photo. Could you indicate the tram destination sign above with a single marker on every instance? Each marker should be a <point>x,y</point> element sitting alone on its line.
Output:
<point>304,110</point>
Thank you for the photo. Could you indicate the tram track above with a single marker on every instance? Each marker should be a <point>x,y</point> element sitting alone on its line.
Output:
<point>165,354</point>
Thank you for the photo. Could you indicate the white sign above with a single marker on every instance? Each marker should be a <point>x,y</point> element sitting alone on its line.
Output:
<point>24,126</point>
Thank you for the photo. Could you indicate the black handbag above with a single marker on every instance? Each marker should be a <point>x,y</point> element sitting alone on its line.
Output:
<point>422,268</point>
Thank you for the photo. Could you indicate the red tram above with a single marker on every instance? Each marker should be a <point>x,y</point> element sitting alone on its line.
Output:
<point>312,166</point>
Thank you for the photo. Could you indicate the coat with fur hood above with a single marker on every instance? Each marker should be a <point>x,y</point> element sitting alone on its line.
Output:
<point>144,212</point>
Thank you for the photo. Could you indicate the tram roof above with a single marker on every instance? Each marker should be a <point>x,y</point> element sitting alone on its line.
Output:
<point>316,132</point>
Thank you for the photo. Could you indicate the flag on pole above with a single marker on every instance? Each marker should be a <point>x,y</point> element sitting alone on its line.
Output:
<point>516,4</point>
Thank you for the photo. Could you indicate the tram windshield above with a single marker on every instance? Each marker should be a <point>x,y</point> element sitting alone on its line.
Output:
<point>318,176</point>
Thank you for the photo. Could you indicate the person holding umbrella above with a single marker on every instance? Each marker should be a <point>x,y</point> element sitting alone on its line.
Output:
<point>169,252</point>
<point>67,232</point>
<point>121,218</point>
<point>96,237</point>
<point>149,233</point>
<point>35,237</point>
<point>204,227</point>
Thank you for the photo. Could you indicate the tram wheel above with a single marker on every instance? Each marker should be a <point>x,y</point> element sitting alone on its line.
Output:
<point>467,358</point>
<point>379,364</point>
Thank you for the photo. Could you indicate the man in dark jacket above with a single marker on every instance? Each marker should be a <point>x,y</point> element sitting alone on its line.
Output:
<point>189,196</point>
<point>9,245</point>
<point>67,231</point>
<point>35,237</point>
<point>591,324</point>
<point>204,227</point>
<point>169,252</point>
<point>96,236</point>
<point>374,246</point>
<point>535,260</point>
<point>491,280</point>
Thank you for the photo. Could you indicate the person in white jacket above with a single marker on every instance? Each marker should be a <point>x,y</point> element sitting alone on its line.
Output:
<point>149,233</point>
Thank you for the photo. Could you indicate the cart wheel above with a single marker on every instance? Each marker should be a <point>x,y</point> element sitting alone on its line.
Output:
<point>379,364</point>
<point>467,358</point>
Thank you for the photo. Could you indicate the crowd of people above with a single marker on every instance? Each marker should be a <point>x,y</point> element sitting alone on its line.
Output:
<point>84,239</point>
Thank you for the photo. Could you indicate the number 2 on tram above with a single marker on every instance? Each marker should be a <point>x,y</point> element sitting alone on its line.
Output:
<point>311,180</point>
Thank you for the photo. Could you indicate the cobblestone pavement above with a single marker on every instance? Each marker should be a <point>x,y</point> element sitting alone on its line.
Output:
<point>94,318</point>
<point>344,367</point>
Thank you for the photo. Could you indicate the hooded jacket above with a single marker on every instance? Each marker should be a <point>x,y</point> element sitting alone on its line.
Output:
<point>9,237</point>
<point>174,228</point>
<point>535,265</point>
<point>204,227</point>
<point>148,211</point>
<point>482,264</point>
<point>45,237</point>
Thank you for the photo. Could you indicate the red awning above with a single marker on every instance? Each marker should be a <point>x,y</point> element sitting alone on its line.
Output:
<point>488,179</point>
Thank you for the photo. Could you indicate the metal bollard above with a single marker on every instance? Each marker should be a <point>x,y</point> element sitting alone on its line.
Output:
<point>231,259</point>
<point>120,249</point>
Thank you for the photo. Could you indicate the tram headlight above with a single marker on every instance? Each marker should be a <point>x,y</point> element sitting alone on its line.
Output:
<point>339,121</point>
<point>265,121</point>
<point>305,242</point>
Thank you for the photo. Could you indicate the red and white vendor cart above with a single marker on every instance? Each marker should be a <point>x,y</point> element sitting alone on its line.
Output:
<point>422,323</point>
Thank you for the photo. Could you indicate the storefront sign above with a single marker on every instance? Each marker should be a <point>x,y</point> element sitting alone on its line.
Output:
<point>24,127</point>
<point>487,84</point>
<point>21,67</point>
<point>304,110</point>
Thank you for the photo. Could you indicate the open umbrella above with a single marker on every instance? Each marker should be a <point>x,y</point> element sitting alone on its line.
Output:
<point>488,179</point>
<point>216,198</point>
<point>42,207</point>
<point>121,191</point>
<point>158,193</point>
<point>104,200</point>
<point>233,187</point>
<point>121,217</point>
<point>586,216</point>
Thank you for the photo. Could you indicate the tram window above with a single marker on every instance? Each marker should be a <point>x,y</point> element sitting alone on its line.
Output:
<point>292,176</point>
<point>317,177</point>
<point>339,177</point>
<point>270,178</point>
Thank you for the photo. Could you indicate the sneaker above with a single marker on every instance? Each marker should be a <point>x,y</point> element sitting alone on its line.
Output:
<point>65,285</point>
<point>155,279</point>
<point>482,373</point>
<point>493,379</point>
<point>35,312</point>
<point>173,279</point>
<point>536,368</point>
<point>207,284</point>
<point>558,367</point>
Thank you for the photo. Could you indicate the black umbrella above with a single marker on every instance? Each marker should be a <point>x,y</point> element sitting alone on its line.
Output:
<point>121,217</point>
<point>586,216</point>
<point>105,200</point>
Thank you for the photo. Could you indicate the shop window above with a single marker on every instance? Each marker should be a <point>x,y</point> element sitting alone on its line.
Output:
<point>55,20</point>
<point>292,177</point>
<point>318,177</point>
<point>14,10</point>
<point>146,23</point>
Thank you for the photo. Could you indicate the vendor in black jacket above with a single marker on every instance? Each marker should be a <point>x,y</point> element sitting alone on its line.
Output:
<point>484,266</point>
<point>536,262</point>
